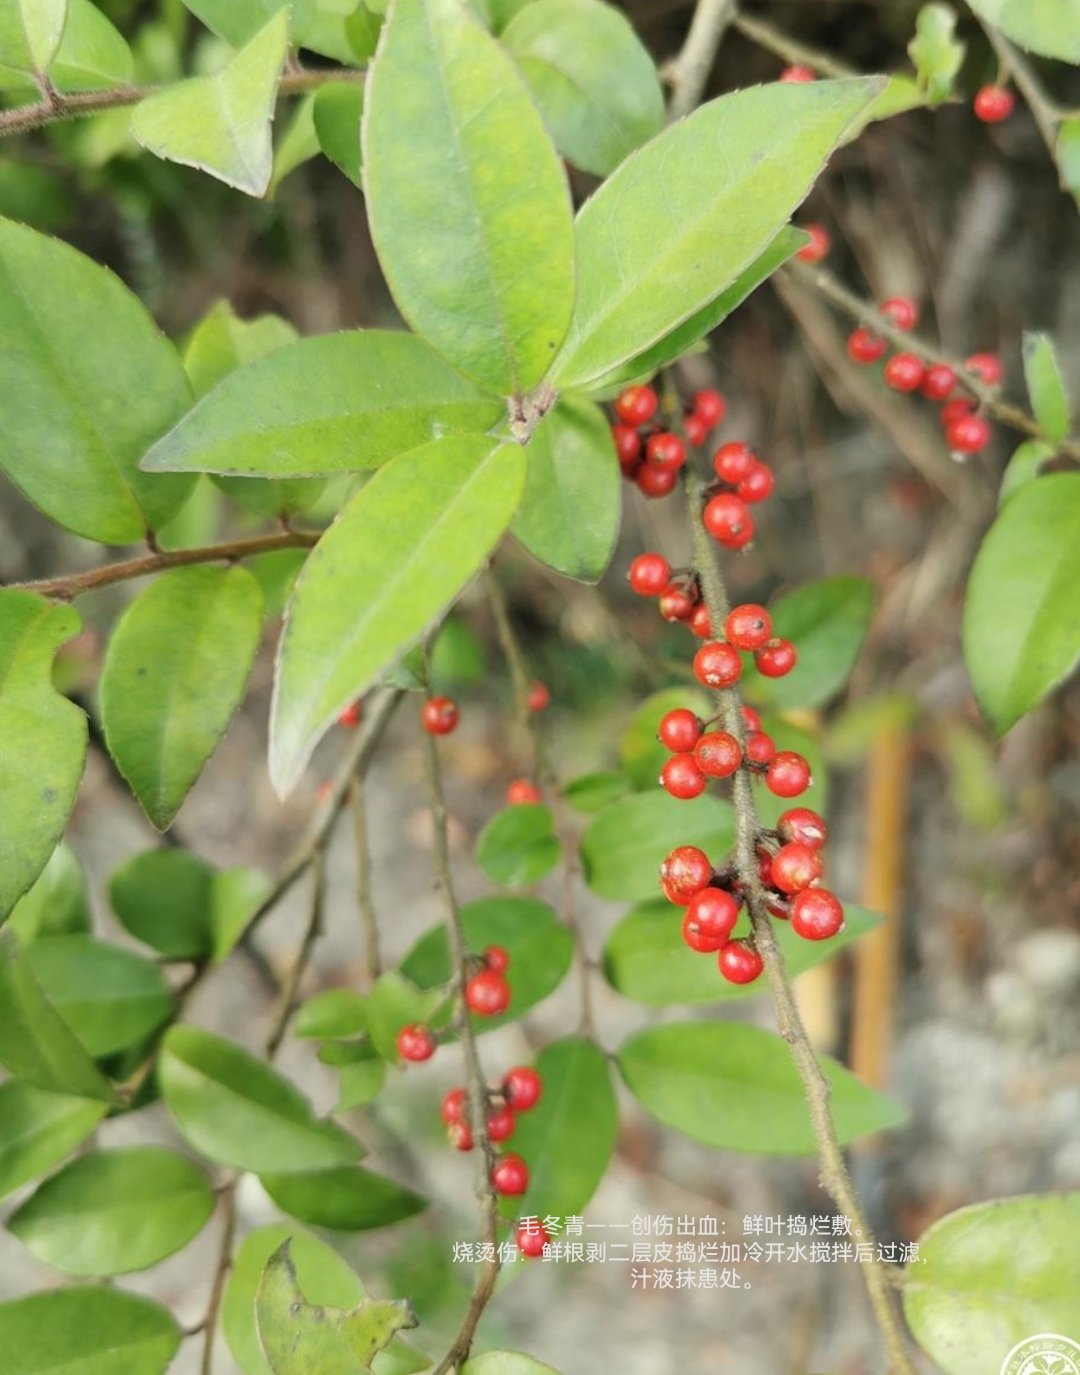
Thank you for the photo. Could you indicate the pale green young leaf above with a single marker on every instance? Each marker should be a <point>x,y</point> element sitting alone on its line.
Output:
<point>1042,372</point>
<point>93,55</point>
<point>346,1199</point>
<point>334,1014</point>
<point>338,107</point>
<point>57,904</point>
<point>506,1363</point>
<point>935,50</point>
<point>238,21</point>
<point>1050,28</point>
<point>88,1330</point>
<point>30,33</point>
<point>1024,467</point>
<point>38,1129</point>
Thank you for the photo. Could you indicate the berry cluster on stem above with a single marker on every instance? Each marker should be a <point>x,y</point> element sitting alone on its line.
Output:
<point>651,456</point>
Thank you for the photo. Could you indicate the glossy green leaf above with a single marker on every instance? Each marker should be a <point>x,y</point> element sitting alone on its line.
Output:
<point>87,1330</point>
<point>1024,467</point>
<point>348,1199</point>
<point>38,1129</point>
<point>1050,28</point>
<point>397,1000</point>
<point>468,203</point>
<point>935,51</point>
<point>992,1276</point>
<point>163,898</point>
<point>827,621</point>
<point>74,427</point>
<point>646,958</point>
<point>115,1211</point>
<point>56,905</point>
<point>1022,614</point>
<point>568,1137</point>
<point>337,111</point>
<point>625,843</point>
<point>30,32</point>
<point>679,220</point>
<point>506,1363</point>
<point>93,54</point>
<point>540,948</point>
<point>569,517</point>
<point>221,123</point>
<point>168,692</point>
<point>735,1087</point>
<point>1042,372</point>
<point>110,997</point>
<point>595,84</point>
<point>518,845</point>
<point>641,755</point>
<point>240,1112</point>
<point>590,791</point>
<point>334,1014</point>
<point>36,1044</point>
<point>399,553</point>
<point>238,21</point>
<point>336,403</point>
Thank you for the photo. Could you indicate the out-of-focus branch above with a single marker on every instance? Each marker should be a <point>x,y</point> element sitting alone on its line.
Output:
<point>688,72</point>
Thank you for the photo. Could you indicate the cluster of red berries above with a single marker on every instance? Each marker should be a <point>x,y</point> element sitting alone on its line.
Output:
<point>650,455</point>
<point>742,480</point>
<point>677,591</point>
<point>790,870</point>
<point>699,753</point>
<point>966,432</point>
<point>487,993</point>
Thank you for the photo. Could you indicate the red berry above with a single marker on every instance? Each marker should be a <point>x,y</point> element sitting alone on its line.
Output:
<point>714,913</point>
<point>695,429</point>
<point>683,873</point>
<point>988,366</point>
<point>904,372</point>
<point>665,451</point>
<point>748,626</point>
<point>797,72</point>
<point>954,410</point>
<point>460,1136</point>
<point>727,520</point>
<point>680,730</point>
<point>520,793</point>
<point>682,778</point>
<point>655,482</point>
<point>439,715</point>
<point>751,718</point>
<point>627,443</point>
<point>496,958</point>
<point>709,406</point>
<point>500,1125</point>
<point>968,435</point>
<point>350,716</point>
<point>539,696</point>
<point>864,346</point>
<point>487,993</point>
<point>522,1087</point>
<point>816,914</point>
<point>805,826</point>
<point>992,104</point>
<point>938,382</point>
<point>817,250</point>
<point>788,774</point>
<point>700,622</point>
<point>795,867</point>
<point>901,310</point>
<point>760,748</point>
<point>758,483</point>
<point>733,461</point>
<point>455,1106</point>
<point>697,939</point>
<point>676,603</point>
<point>636,405</point>
<point>510,1175</point>
<point>415,1043</point>
<point>776,658</point>
<point>718,754</point>
<point>531,1239</point>
<point>740,963</point>
<point>649,574</point>
<point>717,664</point>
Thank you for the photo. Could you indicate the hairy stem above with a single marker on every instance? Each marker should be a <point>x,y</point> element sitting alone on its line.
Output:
<point>688,73</point>
<point>369,920</point>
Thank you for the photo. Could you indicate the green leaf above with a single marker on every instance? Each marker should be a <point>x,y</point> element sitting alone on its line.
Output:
<point>1023,467</point>
<point>297,144</point>
<point>336,403</point>
<point>56,905</point>
<point>457,655</point>
<point>595,84</point>
<point>1050,28</point>
<point>626,842</point>
<point>679,220</point>
<point>976,788</point>
<point>240,1112</point>
<point>163,898</point>
<point>736,1088</point>
<point>71,338</point>
<point>568,1138</point>
<point>1067,155</point>
<point>334,1014</point>
<point>93,55</point>
<point>395,1001</point>
<point>300,1338</point>
<point>110,997</point>
<point>1042,372</point>
<point>468,204</point>
<point>1022,615</point>
<point>991,1276</point>
<point>935,51</point>
<point>518,845</point>
<point>36,1044</point>
<point>236,896</point>
<point>401,551</point>
<point>221,342</point>
<point>348,1199</point>
<point>37,1130</point>
<point>112,1212</point>
<point>646,958</point>
<point>221,123</point>
<point>238,21</point>
<point>569,517</point>
<point>641,755</point>
<point>168,689</point>
<point>827,621</point>
<point>88,1330</point>
<point>590,791</point>
<point>30,32</point>
<point>338,107</point>
<point>360,1078</point>
<point>506,1363</point>
<point>540,948</point>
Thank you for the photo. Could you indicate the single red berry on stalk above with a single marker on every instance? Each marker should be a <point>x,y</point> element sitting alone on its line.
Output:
<point>955,410</point>
<point>864,346</point>
<point>700,622</point>
<point>816,914</point>
<point>740,963</point>
<point>636,405</point>
<point>522,1087</point>
<point>510,1175</point>
<point>695,429</point>
<point>714,912</point>
<point>795,867</point>
<point>682,778</point>
<point>748,626</point>
<point>500,1125</point>
<point>817,250</point>
<point>487,993</point>
<point>797,72</point>
<point>460,1136</point>
<point>496,958</point>
<point>968,435</point>
<point>988,366</point>
<point>804,826</point>
<point>684,872</point>
<point>455,1106</point>
<point>680,730</point>
<point>649,574</point>
<point>439,715</point>
<point>350,716</point>
<point>717,664</point>
<point>698,939</point>
<point>718,754</point>
<point>676,602</point>
<point>709,405</point>
<point>776,658</point>
<point>665,451</point>
<point>539,696</point>
<point>758,483</point>
<point>938,382</point>
<point>760,748</point>
<point>531,1239</point>
<point>522,793</point>
<point>726,518</point>
<point>627,443</point>
<point>788,774</point>
<point>415,1042</point>
<point>655,482</point>
<point>901,310</point>
<point>992,104</point>
<point>733,461</point>
<point>904,372</point>
<point>751,718</point>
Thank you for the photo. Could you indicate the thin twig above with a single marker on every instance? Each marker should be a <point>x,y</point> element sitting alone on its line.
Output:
<point>773,40</point>
<point>832,1167</point>
<point>221,1273</point>
<point>688,73</point>
<point>312,932</point>
<point>365,902</point>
